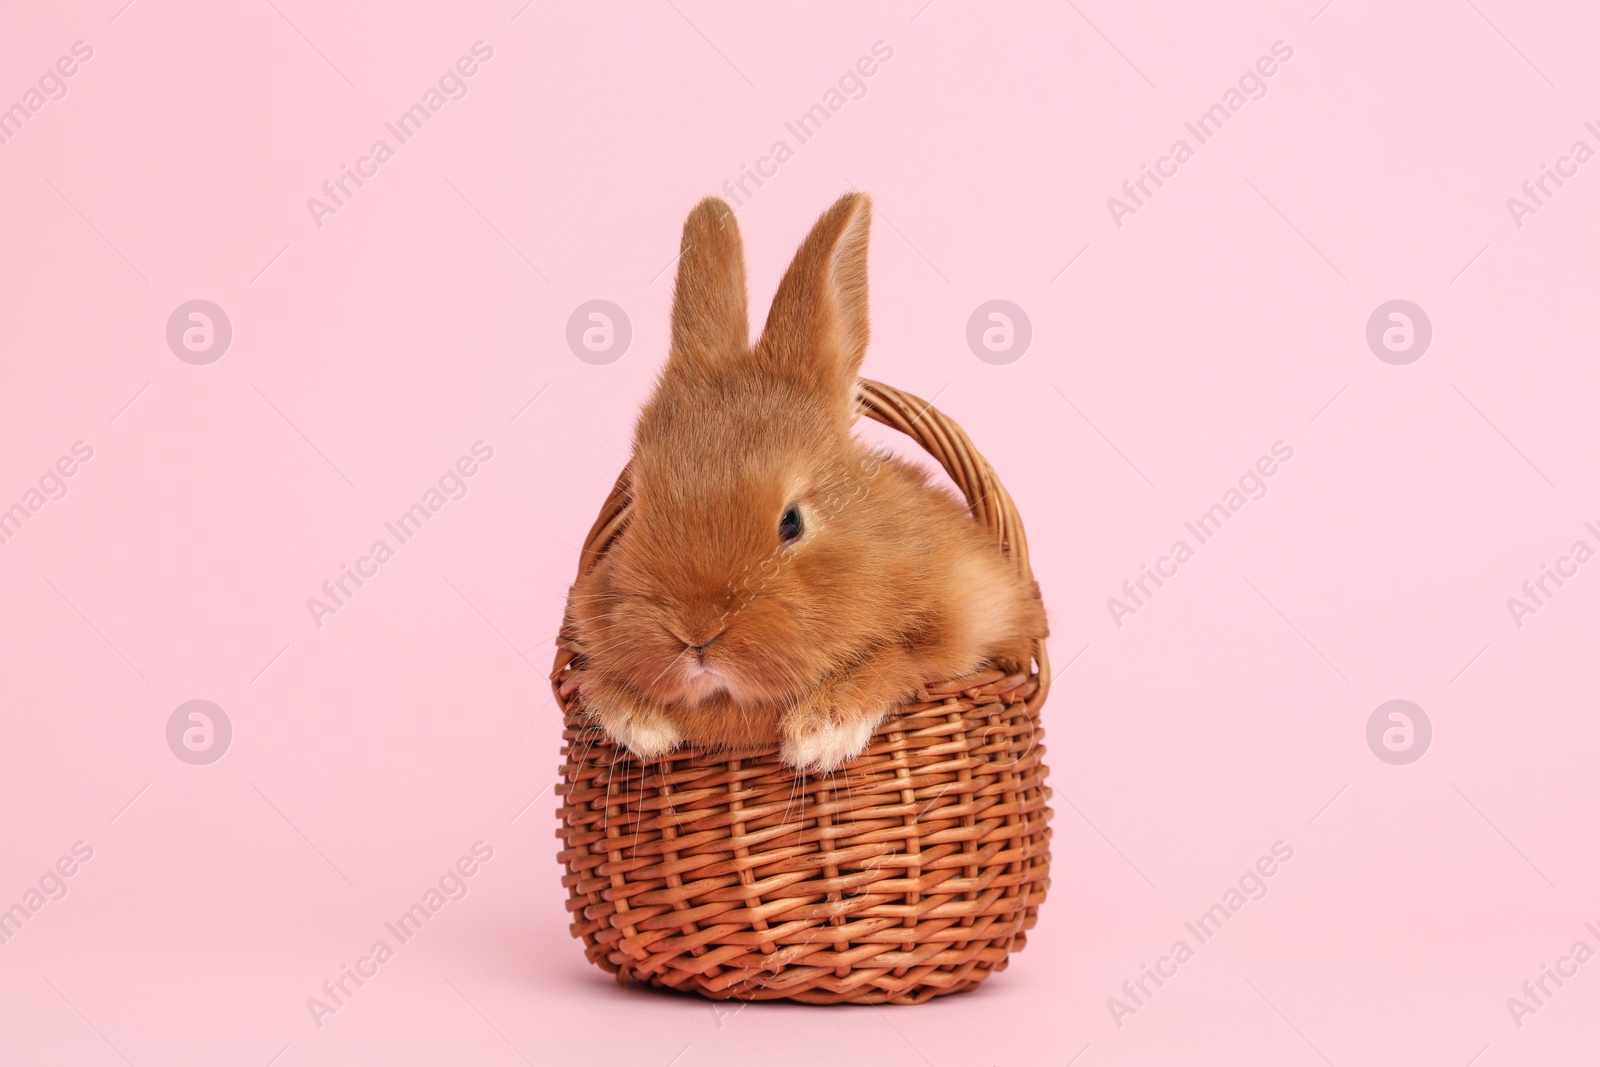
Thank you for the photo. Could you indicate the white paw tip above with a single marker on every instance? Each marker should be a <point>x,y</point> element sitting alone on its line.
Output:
<point>829,747</point>
<point>648,739</point>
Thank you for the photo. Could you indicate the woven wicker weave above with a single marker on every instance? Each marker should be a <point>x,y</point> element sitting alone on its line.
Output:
<point>913,872</point>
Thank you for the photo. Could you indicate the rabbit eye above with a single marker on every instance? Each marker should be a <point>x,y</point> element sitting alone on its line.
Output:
<point>790,526</point>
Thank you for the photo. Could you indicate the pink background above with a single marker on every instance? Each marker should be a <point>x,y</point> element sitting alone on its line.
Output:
<point>368,354</point>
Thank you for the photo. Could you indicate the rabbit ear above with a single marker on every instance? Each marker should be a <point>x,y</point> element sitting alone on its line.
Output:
<point>709,319</point>
<point>817,329</point>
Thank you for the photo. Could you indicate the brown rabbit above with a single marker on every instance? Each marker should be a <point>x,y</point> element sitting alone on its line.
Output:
<point>777,581</point>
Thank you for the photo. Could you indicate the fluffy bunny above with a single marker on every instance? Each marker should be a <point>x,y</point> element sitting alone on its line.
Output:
<point>777,581</point>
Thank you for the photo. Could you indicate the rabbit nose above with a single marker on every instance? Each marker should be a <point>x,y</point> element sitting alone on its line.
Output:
<point>700,649</point>
<point>697,647</point>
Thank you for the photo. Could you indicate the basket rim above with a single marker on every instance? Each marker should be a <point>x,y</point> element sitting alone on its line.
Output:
<point>937,434</point>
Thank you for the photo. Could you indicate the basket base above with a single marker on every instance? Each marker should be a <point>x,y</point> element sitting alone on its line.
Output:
<point>855,987</point>
<point>912,873</point>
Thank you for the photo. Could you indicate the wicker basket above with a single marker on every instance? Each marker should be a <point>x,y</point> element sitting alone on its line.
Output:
<point>913,872</point>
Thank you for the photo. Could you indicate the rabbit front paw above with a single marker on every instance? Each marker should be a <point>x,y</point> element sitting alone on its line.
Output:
<point>821,745</point>
<point>641,728</point>
<point>645,735</point>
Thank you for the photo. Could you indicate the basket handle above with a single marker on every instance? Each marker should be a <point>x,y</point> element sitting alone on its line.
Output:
<point>941,438</point>
<point>947,443</point>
